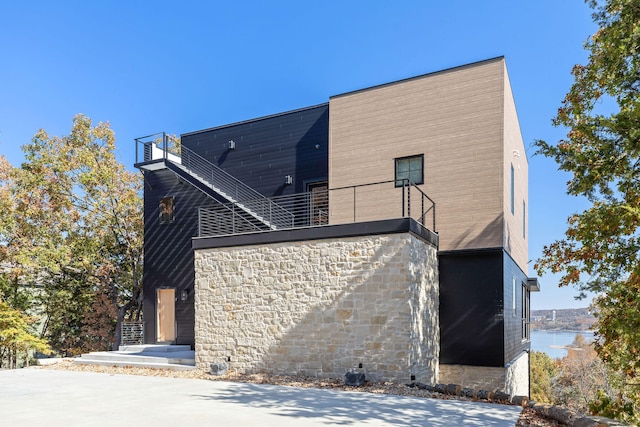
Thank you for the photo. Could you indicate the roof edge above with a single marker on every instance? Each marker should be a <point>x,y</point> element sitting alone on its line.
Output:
<point>270,116</point>
<point>433,73</point>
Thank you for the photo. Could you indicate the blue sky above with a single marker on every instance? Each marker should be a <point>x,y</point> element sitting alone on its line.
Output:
<point>182,66</point>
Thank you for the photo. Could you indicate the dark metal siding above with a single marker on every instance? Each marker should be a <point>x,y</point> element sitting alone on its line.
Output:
<point>513,343</point>
<point>471,308</point>
<point>167,250</point>
<point>268,149</point>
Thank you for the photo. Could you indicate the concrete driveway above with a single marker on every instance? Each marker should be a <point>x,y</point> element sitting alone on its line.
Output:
<point>67,398</point>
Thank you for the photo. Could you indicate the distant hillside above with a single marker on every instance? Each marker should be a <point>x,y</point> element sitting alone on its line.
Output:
<point>569,319</point>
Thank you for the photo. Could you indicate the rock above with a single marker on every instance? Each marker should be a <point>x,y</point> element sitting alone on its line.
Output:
<point>484,394</point>
<point>468,392</point>
<point>354,379</point>
<point>561,414</point>
<point>520,400</point>
<point>500,396</point>
<point>218,368</point>
<point>588,422</point>
<point>440,388</point>
<point>453,389</point>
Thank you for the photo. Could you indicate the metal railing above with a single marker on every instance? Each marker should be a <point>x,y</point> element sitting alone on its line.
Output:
<point>263,209</point>
<point>132,332</point>
<point>375,201</point>
<point>228,218</point>
<point>413,202</point>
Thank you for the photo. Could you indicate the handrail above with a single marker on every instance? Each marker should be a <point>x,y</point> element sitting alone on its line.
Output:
<point>307,213</point>
<point>228,186</point>
<point>407,185</point>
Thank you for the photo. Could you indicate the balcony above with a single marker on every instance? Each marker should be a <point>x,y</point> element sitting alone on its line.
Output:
<point>344,205</point>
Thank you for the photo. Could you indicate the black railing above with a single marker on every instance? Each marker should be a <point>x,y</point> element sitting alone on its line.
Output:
<point>408,207</point>
<point>265,210</point>
<point>374,201</point>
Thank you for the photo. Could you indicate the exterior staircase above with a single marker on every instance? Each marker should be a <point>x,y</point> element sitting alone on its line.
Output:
<point>173,357</point>
<point>201,173</point>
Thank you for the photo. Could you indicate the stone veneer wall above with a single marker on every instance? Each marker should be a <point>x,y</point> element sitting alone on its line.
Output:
<point>321,307</point>
<point>512,379</point>
<point>517,376</point>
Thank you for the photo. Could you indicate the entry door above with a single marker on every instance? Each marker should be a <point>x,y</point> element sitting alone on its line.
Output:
<point>319,209</point>
<point>166,315</point>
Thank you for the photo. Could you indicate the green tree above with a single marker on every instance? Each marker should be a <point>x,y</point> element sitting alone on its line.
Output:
<point>543,372</point>
<point>76,232</point>
<point>600,251</point>
<point>17,334</point>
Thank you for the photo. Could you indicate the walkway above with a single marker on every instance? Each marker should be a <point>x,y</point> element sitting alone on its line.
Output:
<point>67,398</point>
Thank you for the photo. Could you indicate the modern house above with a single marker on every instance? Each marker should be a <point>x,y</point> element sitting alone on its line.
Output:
<point>384,231</point>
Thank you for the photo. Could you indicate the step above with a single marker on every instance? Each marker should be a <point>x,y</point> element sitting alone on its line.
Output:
<point>155,348</point>
<point>182,358</point>
<point>169,366</point>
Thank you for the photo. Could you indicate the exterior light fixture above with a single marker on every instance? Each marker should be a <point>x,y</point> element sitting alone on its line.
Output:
<point>288,180</point>
<point>184,295</point>
<point>232,144</point>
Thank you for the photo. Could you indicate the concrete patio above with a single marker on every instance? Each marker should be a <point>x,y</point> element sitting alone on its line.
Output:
<point>36,396</point>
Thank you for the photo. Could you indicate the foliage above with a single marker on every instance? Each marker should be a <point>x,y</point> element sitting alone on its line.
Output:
<point>615,408</point>
<point>75,233</point>
<point>543,371</point>
<point>581,375</point>
<point>600,251</point>
<point>16,334</point>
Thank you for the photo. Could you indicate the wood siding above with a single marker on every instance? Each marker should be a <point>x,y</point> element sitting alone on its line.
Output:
<point>515,242</point>
<point>456,119</point>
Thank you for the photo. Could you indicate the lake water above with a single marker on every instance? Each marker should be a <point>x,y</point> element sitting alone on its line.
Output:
<point>550,341</point>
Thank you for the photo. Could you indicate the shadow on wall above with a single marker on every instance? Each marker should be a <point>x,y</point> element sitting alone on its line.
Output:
<point>489,237</point>
<point>343,408</point>
<point>331,313</point>
<point>365,324</point>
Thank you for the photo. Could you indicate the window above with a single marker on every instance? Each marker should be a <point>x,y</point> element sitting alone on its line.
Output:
<point>513,295</point>
<point>526,313</point>
<point>513,204</point>
<point>411,168</point>
<point>166,210</point>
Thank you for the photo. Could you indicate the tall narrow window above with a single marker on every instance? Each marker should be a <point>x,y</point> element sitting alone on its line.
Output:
<point>513,203</point>
<point>411,168</point>
<point>166,210</point>
<point>526,313</point>
<point>524,219</point>
<point>513,295</point>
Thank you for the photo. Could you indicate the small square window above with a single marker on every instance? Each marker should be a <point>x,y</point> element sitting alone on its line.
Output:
<point>166,210</point>
<point>411,168</point>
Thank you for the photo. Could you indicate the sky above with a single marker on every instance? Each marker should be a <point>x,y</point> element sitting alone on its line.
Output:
<point>177,67</point>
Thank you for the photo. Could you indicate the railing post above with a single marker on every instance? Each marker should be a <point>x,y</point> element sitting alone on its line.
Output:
<point>434,216</point>
<point>233,218</point>
<point>354,203</point>
<point>408,198</point>
<point>165,146</point>
<point>402,198</point>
